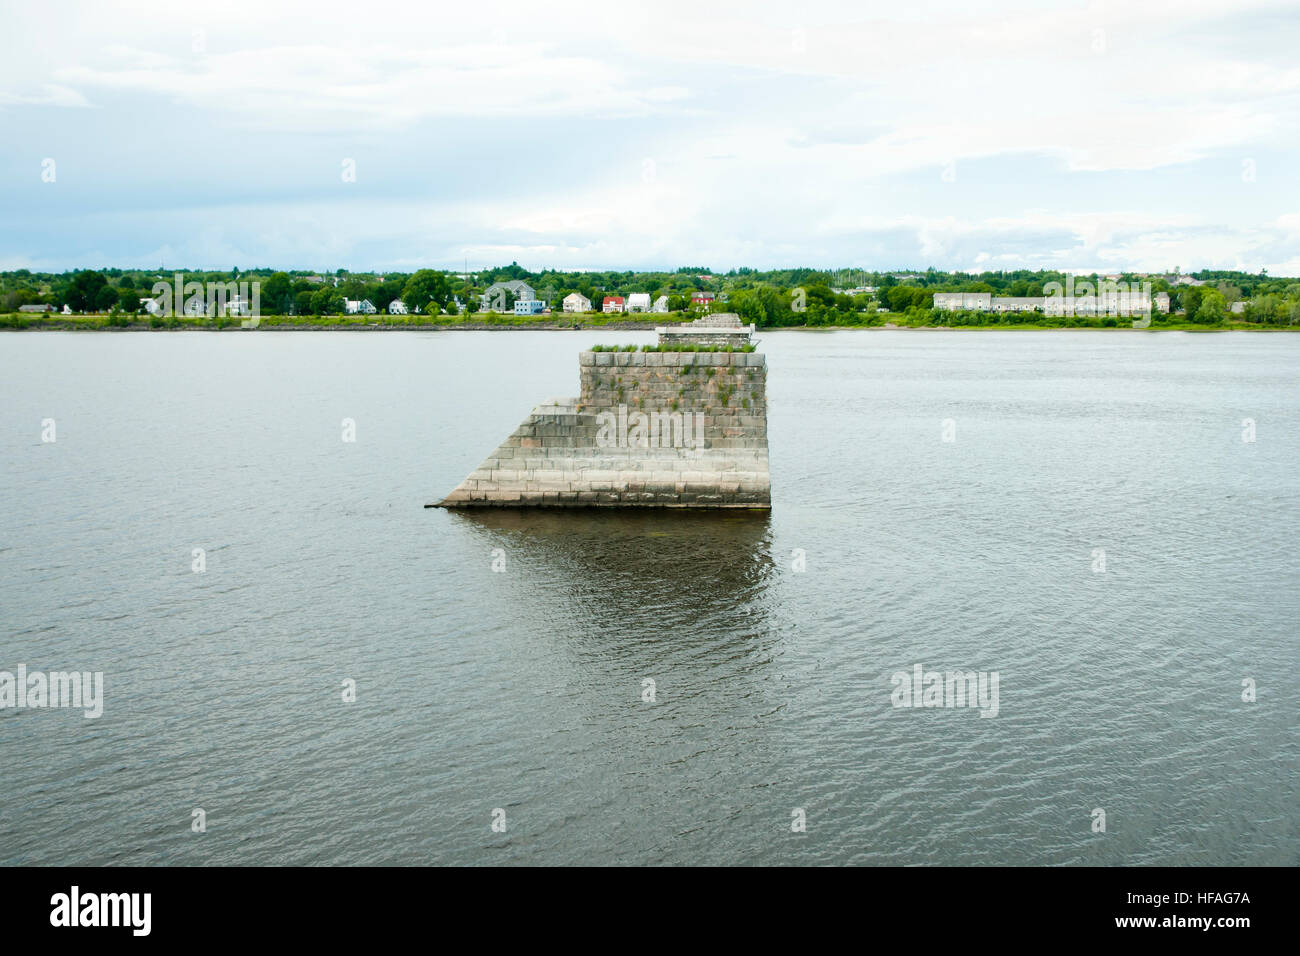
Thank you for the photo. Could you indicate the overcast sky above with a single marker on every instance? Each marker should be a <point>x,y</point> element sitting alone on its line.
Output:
<point>961,135</point>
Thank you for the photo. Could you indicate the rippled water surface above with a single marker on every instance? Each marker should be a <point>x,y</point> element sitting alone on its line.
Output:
<point>521,689</point>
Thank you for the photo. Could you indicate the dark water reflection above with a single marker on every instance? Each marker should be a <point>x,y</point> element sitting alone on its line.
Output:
<point>623,565</point>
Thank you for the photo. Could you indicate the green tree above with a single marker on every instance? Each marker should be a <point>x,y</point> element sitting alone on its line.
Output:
<point>1213,308</point>
<point>900,297</point>
<point>383,293</point>
<point>277,293</point>
<point>326,301</point>
<point>353,288</point>
<point>84,289</point>
<point>1190,300</point>
<point>763,306</point>
<point>427,285</point>
<point>105,298</point>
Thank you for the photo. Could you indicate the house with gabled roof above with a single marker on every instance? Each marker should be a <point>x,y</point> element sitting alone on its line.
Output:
<point>495,299</point>
<point>576,302</point>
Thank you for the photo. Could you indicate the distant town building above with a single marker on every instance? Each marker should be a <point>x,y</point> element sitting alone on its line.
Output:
<point>661,304</point>
<point>361,306</point>
<point>37,308</point>
<point>529,306</point>
<point>398,307</point>
<point>955,301</point>
<point>612,303</point>
<point>1105,303</point>
<point>494,299</point>
<point>1008,303</point>
<point>1122,302</point>
<point>576,302</point>
<point>638,302</point>
<point>703,299</point>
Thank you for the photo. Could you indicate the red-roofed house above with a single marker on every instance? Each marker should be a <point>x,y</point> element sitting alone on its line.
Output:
<point>613,303</point>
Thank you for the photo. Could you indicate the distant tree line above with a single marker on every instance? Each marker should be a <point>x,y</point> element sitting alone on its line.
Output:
<point>780,297</point>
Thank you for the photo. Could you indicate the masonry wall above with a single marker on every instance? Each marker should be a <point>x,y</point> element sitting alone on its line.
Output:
<point>687,335</point>
<point>587,452</point>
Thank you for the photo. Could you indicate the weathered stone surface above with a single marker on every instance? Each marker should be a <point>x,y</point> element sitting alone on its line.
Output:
<point>707,412</point>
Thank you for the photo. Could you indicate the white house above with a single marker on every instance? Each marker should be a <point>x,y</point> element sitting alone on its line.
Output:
<point>661,304</point>
<point>638,302</point>
<point>397,307</point>
<point>576,302</point>
<point>364,306</point>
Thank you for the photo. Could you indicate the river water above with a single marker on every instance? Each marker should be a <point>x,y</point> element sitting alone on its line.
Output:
<point>518,693</point>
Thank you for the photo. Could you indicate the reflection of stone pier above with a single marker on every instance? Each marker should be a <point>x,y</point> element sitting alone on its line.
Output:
<point>665,428</point>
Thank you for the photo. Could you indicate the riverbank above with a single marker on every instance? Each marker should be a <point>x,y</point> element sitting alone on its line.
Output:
<point>495,322</point>
<point>333,323</point>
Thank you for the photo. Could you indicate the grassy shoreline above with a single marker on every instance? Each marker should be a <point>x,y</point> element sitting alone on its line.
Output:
<point>492,322</point>
<point>334,323</point>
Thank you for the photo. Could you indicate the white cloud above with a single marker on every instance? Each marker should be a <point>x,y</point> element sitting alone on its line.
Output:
<point>49,94</point>
<point>780,132</point>
<point>294,87</point>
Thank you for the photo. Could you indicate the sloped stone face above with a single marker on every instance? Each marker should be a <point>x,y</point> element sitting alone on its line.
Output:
<point>650,429</point>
